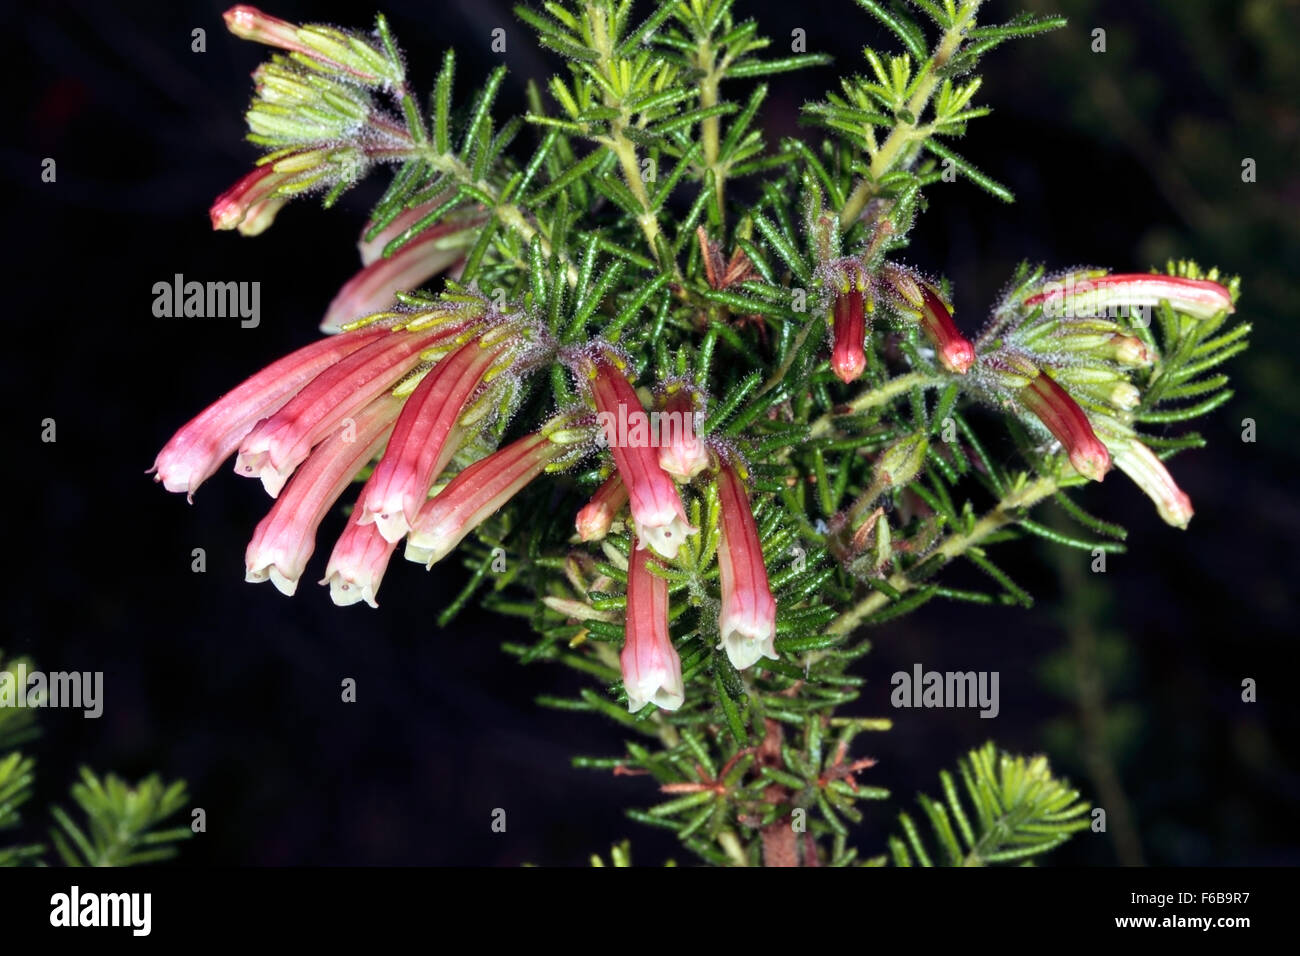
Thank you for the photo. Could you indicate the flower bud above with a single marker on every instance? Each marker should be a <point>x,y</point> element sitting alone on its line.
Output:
<point>900,462</point>
<point>652,669</point>
<point>848,353</point>
<point>1063,417</point>
<point>319,47</point>
<point>253,190</point>
<point>1149,473</point>
<point>955,353</point>
<point>682,453</point>
<point>1130,350</point>
<point>595,517</point>
<point>1125,396</point>
<point>251,203</point>
<point>293,107</point>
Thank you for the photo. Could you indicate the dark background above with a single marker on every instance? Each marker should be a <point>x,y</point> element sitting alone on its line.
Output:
<point>1119,159</point>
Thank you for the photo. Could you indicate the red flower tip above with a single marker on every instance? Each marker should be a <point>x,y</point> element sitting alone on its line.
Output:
<point>848,355</point>
<point>1063,417</point>
<point>955,353</point>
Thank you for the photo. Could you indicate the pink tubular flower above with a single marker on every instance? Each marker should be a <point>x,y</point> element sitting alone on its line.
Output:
<point>748,619</point>
<point>682,453</point>
<point>280,443</point>
<point>955,353</point>
<point>657,512</point>
<point>1150,474</point>
<point>252,192</point>
<point>652,671</point>
<point>250,204</point>
<point>848,354</point>
<point>421,447</point>
<point>250,23</point>
<point>374,287</point>
<point>357,564</point>
<point>198,449</point>
<point>372,250</point>
<point>595,517</point>
<point>1094,295</point>
<point>1063,417</point>
<point>475,495</point>
<point>286,537</point>
<point>322,44</point>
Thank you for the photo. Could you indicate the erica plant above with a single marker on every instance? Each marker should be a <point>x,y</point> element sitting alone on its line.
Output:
<point>676,397</point>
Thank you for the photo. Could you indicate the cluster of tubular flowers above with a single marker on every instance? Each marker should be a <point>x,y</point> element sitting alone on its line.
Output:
<point>1057,353</point>
<point>314,109</point>
<point>854,294</point>
<point>415,385</point>
<point>412,388</point>
<point>646,480</point>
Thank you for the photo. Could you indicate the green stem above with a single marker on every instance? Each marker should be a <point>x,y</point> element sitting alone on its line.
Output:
<point>630,163</point>
<point>624,149</point>
<point>710,128</point>
<point>877,396</point>
<point>1007,511</point>
<point>732,846</point>
<point>904,133</point>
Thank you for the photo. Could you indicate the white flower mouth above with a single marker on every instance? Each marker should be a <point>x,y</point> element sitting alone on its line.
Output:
<point>746,642</point>
<point>345,591</point>
<point>258,464</point>
<point>431,546</point>
<point>660,687</point>
<point>285,584</point>
<point>391,522</point>
<point>664,540</point>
